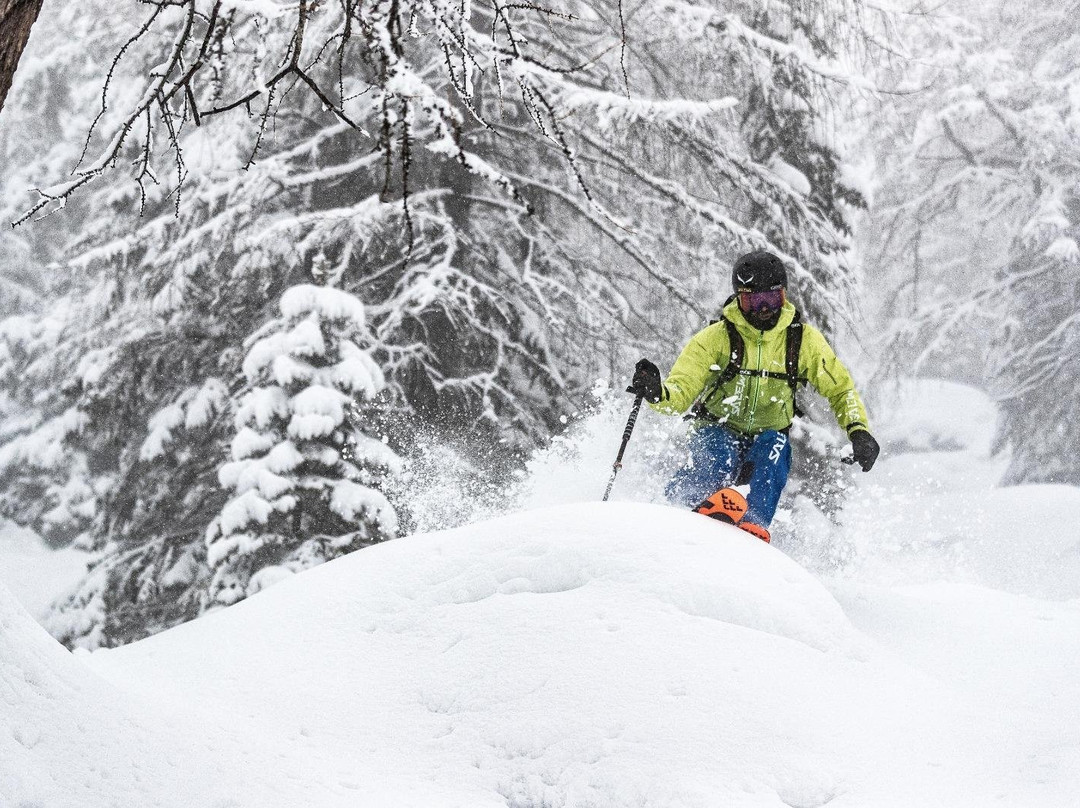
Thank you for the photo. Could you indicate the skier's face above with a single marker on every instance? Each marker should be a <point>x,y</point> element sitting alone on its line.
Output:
<point>766,300</point>
<point>762,309</point>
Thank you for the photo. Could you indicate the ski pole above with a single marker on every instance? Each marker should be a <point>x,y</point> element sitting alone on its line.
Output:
<point>625,440</point>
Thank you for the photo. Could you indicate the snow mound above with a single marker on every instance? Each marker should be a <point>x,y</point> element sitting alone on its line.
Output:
<point>594,654</point>
<point>633,552</point>
<point>69,740</point>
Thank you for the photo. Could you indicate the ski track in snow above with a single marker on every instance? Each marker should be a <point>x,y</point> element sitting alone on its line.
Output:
<point>616,654</point>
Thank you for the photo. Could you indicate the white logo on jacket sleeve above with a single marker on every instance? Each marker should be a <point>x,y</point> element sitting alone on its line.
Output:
<point>852,401</point>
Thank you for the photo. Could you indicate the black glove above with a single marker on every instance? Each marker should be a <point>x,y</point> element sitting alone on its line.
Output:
<point>864,449</point>
<point>646,381</point>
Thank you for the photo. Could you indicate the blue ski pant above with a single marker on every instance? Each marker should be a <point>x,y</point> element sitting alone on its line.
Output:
<point>717,454</point>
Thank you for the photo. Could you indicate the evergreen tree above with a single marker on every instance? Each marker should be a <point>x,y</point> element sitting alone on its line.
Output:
<point>305,475</point>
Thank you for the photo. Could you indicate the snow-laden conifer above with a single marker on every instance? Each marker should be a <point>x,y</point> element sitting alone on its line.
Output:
<point>305,470</point>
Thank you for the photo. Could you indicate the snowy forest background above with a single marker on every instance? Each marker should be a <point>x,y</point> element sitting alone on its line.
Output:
<point>310,260</point>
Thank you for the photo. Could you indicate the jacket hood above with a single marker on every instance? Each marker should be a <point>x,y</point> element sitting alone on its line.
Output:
<point>734,313</point>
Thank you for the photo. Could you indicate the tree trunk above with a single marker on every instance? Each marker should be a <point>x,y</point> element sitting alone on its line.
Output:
<point>16,18</point>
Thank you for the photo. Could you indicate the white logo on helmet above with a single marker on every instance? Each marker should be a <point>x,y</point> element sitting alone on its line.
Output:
<point>743,280</point>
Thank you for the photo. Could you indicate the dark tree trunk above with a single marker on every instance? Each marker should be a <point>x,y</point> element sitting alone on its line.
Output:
<point>16,18</point>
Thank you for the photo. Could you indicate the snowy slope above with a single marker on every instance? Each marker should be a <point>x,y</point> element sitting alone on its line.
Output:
<point>931,510</point>
<point>618,654</point>
<point>70,740</point>
<point>602,655</point>
<point>599,655</point>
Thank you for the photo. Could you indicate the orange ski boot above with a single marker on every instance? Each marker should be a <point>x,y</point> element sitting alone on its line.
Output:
<point>755,530</point>
<point>726,505</point>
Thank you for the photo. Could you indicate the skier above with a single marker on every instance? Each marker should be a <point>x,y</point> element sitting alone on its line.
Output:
<point>737,379</point>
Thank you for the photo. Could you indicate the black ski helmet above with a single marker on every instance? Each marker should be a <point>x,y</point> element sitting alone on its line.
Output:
<point>757,271</point>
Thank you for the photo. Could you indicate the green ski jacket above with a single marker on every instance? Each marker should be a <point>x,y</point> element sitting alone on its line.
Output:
<point>754,404</point>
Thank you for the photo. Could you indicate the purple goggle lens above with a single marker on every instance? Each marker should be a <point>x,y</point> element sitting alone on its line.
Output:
<point>769,300</point>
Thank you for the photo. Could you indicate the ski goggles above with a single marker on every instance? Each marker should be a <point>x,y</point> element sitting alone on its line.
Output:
<point>768,300</point>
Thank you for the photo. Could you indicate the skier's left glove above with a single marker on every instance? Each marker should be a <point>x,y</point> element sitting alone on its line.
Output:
<point>646,382</point>
<point>864,449</point>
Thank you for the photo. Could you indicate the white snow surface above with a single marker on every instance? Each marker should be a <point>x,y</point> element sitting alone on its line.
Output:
<point>70,740</point>
<point>35,573</point>
<point>606,654</point>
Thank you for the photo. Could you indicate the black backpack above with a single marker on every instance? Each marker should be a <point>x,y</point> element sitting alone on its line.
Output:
<point>734,367</point>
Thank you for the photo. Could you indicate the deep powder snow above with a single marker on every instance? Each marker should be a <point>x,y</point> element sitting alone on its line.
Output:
<point>588,654</point>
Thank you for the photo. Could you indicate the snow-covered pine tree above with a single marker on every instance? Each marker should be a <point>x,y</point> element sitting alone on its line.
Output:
<point>306,475</point>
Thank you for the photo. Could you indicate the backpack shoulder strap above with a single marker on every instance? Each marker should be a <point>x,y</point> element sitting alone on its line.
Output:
<point>794,346</point>
<point>791,360</point>
<point>737,349</point>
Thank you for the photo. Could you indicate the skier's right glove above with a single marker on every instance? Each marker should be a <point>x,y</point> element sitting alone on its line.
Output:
<point>864,449</point>
<point>646,381</point>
